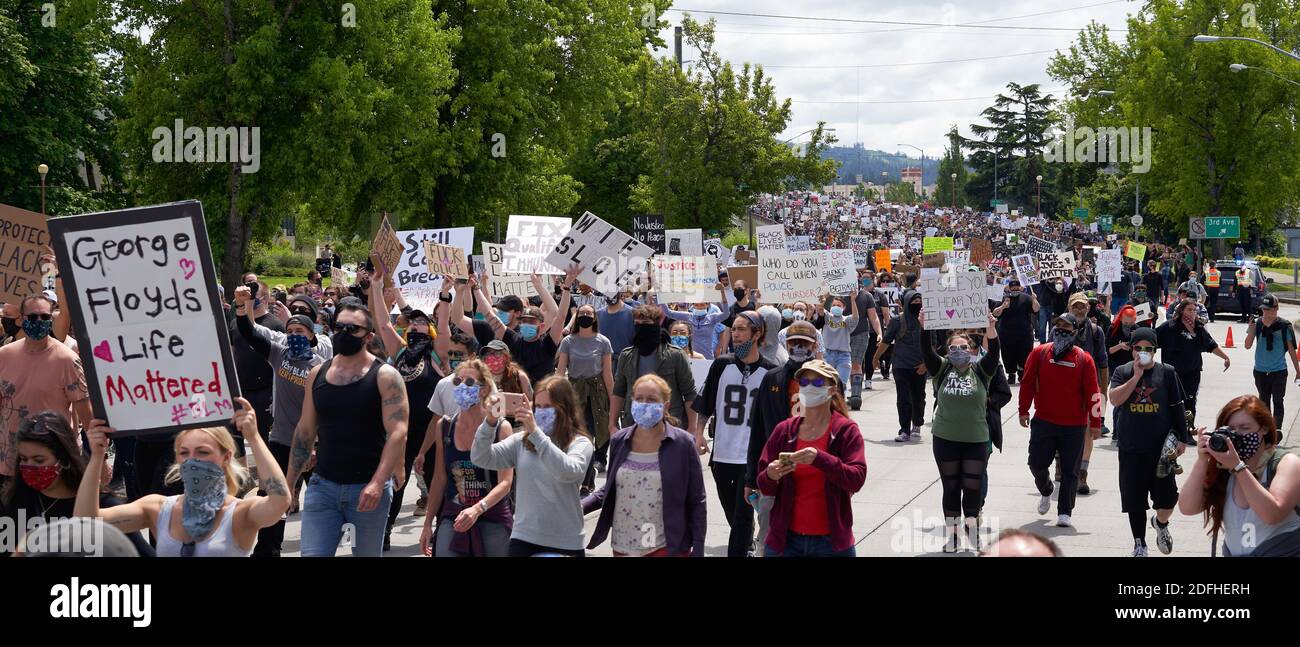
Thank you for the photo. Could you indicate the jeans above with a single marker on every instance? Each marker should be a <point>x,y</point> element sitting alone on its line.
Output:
<point>328,507</point>
<point>797,545</point>
<point>910,391</point>
<point>1044,317</point>
<point>1045,440</point>
<point>496,539</point>
<point>730,482</point>
<point>840,360</point>
<point>1271,387</point>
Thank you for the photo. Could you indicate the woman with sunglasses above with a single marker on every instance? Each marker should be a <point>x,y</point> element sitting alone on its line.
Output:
<point>820,451</point>
<point>961,429</point>
<point>585,357</point>
<point>1250,491</point>
<point>473,509</point>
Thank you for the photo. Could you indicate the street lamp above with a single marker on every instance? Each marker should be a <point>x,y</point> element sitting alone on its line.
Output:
<point>953,176</point>
<point>42,169</point>
<point>1237,67</point>
<point>1039,180</point>
<point>1203,38</point>
<point>825,130</point>
<point>922,161</point>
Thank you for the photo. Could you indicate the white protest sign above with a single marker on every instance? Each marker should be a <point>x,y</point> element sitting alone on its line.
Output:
<point>685,279</point>
<point>1025,269</point>
<point>838,272</point>
<point>958,257</point>
<point>714,247</point>
<point>154,344</point>
<point>609,257</point>
<point>700,370</point>
<point>785,278</point>
<point>861,246</point>
<point>501,284</point>
<point>1109,265</point>
<point>1056,265</point>
<point>1144,312</point>
<point>771,238</point>
<point>684,242</point>
<point>955,299</point>
<point>420,287</point>
<point>996,291</point>
<point>530,240</point>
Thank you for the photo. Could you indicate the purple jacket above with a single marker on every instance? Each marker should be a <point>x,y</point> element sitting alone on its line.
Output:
<point>683,485</point>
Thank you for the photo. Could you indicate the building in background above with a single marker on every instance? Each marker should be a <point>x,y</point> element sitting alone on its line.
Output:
<point>912,175</point>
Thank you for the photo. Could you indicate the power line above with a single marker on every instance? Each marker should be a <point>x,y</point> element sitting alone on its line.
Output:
<point>905,23</point>
<point>884,101</point>
<point>954,60</point>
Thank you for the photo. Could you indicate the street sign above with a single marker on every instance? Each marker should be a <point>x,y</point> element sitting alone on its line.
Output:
<point>1107,223</point>
<point>1196,228</point>
<point>1136,220</point>
<point>1080,214</point>
<point>1223,227</point>
<point>994,203</point>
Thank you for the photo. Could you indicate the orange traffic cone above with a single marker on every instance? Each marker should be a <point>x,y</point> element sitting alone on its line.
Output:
<point>1228,342</point>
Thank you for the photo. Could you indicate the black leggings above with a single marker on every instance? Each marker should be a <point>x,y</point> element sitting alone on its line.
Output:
<point>520,548</point>
<point>961,470</point>
<point>1015,350</point>
<point>414,438</point>
<point>1271,387</point>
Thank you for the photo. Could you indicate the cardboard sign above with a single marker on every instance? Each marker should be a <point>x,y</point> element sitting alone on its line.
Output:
<point>796,244</point>
<point>685,279</point>
<point>1037,246</point>
<point>861,246</point>
<point>445,260</point>
<point>1136,251</point>
<point>883,260</point>
<point>743,257</point>
<point>956,299</point>
<point>937,259</point>
<point>419,286</point>
<point>1056,265</point>
<point>981,252</point>
<point>771,238</point>
<point>388,248</point>
<point>903,270</point>
<point>530,240</point>
<point>685,242</point>
<point>933,244</point>
<point>501,284</point>
<point>23,237</point>
<point>838,272</point>
<point>746,273</point>
<point>1026,270</point>
<point>786,277</point>
<point>1144,312</point>
<point>156,351</point>
<point>649,229</point>
<point>338,278</point>
<point>1109,266</point>
<point>609,258</point>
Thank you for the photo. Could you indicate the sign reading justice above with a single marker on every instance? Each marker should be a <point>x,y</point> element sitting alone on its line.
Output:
<point>155,350</point>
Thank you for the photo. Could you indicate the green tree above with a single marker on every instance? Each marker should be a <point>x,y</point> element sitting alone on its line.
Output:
<point>953,162</point>
<point>900,193</point>
<point>1010,147</point>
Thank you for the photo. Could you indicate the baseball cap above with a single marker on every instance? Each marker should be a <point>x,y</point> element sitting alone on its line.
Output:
<point>801,330</point>
<point>1269,301</point>
<point>1078,297</point>
<point>531,312</point>
<point>821,368</point>
<point>498,346</point>
<point>1146,335</point>
<point>417,313</point>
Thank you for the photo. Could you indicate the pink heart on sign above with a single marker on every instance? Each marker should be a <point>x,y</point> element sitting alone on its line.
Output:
<point>102,351</point>
<point>188,267</point>
<point>950,313</point>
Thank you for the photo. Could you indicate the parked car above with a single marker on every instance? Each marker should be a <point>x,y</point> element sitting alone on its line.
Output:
<point>1228,285</point>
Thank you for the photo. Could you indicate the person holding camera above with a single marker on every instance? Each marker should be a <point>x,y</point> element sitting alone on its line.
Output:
<point>1149,415</point>
<point>1245,485</point>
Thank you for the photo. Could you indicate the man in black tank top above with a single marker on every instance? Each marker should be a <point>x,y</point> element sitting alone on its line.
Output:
<point>357,409</point>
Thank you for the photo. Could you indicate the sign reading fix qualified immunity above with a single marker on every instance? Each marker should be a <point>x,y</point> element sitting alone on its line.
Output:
<point>156,352</point>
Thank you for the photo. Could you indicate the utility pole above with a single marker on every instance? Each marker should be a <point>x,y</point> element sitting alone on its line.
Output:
<point>677,45</point>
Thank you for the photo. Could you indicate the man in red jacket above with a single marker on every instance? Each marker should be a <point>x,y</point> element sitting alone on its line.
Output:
<point>1061,382</point>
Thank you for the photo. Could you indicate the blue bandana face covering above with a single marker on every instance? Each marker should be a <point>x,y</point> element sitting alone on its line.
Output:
<point>647,414</point>
<point>545,419</point>
<point>299,347</point>
<point>205,492</point>
<point>466,396</point>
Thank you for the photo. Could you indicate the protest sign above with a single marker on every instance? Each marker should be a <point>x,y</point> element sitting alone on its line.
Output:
<point>1089,255</point>
<point>1038,246</point>
<point>958,257</point>
<point>1136,251</point>
<point>700,370</point>
<point>445,260</point>
<point>155,347</point>
<point>649,230</point>
<point>741,256</point>
<point>1144,312</point>
<point>339,278</point>
<point>771,238</point>
<point>861,246</point>
<point>388,248</point>
<point>936,259</point>
<point>1025,269</point>
<point>530,240</point>
<point>420,287</point>
<point>685,279</point>
<point>23,237</point>
<point>746,273</point>
<point>981,252</point>
<point>883,261</point>
<point>1109,265</point>
<point>957,299</point>
<point>685,242</point>
<point>931,231</point>
<point>838,272</point>
<point>934,244</point>
<point>786,277</point>
<point>901,271</point>
<point>996,291</point>
<point>714,247</point>
<point>796,244</point>
<point>609,257</point>
<point>501,284</point>
<point>1056,265</point>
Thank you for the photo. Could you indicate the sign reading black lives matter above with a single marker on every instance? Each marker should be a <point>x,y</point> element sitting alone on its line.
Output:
<point>156,350</point>
<point>609,257</point>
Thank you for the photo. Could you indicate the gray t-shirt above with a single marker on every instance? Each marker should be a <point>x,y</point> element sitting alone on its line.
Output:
<point>290,384</point>
<point>585,354</point>
<point>443,402</point>
<point>836,333</point>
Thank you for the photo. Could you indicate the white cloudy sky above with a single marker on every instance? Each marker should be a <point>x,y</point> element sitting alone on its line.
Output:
<point>861,102</point>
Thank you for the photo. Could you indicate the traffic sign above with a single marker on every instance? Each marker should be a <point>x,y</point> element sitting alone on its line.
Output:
<point>1136,220</point>
<point>1107,223</point>
<point>1080,214</point>
<point>1196,228</point>
<point>1223,227</point>
<point>994,203</point>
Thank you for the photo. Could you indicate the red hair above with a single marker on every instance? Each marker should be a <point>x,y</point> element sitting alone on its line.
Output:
<point>1126,310</point>
<point>1216,480</point>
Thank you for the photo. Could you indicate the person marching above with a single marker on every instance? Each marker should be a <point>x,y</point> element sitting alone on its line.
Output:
<point>1272,355</point>
<point>1182,341</point>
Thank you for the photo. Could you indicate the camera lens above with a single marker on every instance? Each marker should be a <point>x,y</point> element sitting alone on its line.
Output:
<point>1219,442</point>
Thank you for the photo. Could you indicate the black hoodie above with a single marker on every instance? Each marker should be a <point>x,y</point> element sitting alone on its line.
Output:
<point>905,334</point>
<point>771,406</point>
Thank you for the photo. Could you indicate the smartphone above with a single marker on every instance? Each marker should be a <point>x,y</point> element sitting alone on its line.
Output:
<point>514,401</point>
<point>785,457</point>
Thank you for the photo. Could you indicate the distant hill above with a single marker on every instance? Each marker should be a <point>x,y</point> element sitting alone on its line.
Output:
<point>870,163</point>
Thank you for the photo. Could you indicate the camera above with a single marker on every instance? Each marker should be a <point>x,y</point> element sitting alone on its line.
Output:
<point>1219,439</point>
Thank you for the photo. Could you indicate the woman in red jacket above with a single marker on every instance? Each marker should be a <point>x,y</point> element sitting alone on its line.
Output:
<point>814,464</point>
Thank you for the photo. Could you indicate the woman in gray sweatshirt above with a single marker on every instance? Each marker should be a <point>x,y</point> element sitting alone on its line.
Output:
<point>550,456</point>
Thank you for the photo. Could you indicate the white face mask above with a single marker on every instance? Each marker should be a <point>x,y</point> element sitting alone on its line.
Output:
<point>1144,359</point>
<point>814,395</point>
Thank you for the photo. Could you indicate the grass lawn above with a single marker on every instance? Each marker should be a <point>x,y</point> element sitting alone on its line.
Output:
<point>288,281</point>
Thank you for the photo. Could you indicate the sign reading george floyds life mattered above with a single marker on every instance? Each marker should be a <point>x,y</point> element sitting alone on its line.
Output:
<point>23,237</point>
<point>154,345</point>
<point>609,257</point>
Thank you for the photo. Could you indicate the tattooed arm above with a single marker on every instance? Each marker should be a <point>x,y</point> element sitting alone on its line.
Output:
<point>395,411</point>
<point>304,435</point>
<point>265,510</point>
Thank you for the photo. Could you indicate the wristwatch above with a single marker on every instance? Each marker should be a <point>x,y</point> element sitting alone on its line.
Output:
<point>445,298</point>
<point>482,508</point>
<point>1241,465</point>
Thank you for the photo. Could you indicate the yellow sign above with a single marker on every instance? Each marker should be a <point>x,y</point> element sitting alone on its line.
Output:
<point>934,244</point>
<point>1136,251</point>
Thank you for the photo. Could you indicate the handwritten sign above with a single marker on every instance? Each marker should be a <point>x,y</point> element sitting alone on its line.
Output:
<point>649,229</point>
<point>156,351</point>
<point>445,260</point>
<point>787,278</point>
<point>609,257</point>
<point>501,284</point>
<point>937,259</point>
<point>23,237</point>
<point>883,261</point>
<point>685,279</point>
<point>981,252</point>
<point>798,243</point>
<point>1136,251</point>
<point>771,238</point>
<point>996,291</point>
<point>530,240</point>
<point>933,244</point>
<point>419,286</point>
<point>956,299</point>
<point>1056,265</point>
<point>1109,266</point>
<point>1026,270</point>
<point>1039,246</point>
<point>685,242</point>
<point>838,272</point>
<point>861,246</point>
<point>388,248</point>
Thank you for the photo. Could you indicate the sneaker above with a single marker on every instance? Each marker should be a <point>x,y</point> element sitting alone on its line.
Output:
<point>855,402</point>
<point>884,375</point>
<point>1139,549</point>
<point>1164,540</point>
<point>866,385</point>
<point>1105,431</point>
<point>1044,503</point>
<point>419,505</point>
<point>973,534</point>
<point>1063,521</point>
<point>903,437</point>
<point>916,433</point>
<point>1083,483</point>
<point>950,546</point>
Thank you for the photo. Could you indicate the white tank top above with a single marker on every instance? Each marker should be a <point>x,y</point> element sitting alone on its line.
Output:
<point>221,543</point>
<point>1238,522</point>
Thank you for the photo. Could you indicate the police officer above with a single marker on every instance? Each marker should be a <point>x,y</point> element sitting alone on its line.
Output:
<point>1212,278</point>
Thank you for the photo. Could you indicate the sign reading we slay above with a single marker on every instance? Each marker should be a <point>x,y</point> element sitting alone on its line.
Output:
<point>156,352</point>
<point>609,257</point>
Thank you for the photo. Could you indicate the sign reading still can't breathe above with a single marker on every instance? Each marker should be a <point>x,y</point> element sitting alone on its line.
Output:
<point>152,336</point>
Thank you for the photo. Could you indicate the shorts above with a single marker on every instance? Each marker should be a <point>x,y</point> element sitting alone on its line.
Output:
<point>858,346</point>
<point>1137,480</point>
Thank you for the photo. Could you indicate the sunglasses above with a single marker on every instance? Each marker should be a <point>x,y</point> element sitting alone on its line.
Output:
<point>457,381</point>
<point>300,311</point>
<point>957,348</point>
<point>1144,349</point>
<point>351,329</point>
<point>815,381</point>
<point>39,317</point>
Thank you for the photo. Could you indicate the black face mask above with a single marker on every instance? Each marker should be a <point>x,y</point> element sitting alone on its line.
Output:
<point>11,327</point>
<point>914,308</point>
<point>345,344</point>
<point>739,292</point>
<point>585,321</point>
<point>646,338</point>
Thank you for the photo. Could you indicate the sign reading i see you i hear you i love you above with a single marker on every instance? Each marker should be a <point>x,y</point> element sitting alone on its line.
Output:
<point>153,339</point>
